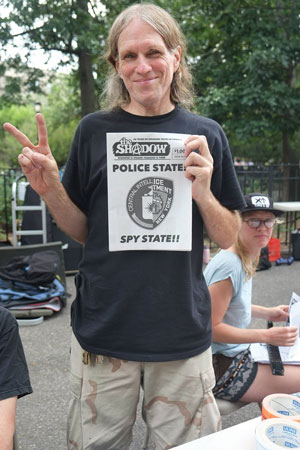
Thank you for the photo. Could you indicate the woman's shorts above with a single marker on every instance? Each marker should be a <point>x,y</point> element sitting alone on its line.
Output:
<point>234,375</point>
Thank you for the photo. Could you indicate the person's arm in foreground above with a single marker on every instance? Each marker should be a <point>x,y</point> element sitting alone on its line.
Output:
<point>221,294</point>
<point>41,171</point>
<point>7,422</point>
<point>221,224</point>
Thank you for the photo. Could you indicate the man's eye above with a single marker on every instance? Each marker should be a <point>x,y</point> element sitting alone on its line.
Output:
<point>154,52</point>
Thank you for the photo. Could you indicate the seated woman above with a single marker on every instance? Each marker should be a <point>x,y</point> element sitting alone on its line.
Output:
<point>14,376</point>
<point>229,277</point>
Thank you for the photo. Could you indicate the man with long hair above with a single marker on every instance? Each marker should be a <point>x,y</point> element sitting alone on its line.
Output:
<point>141,317</point>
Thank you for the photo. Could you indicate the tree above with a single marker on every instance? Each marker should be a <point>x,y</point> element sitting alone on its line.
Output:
<point>71,27</point>
<point>244,55</point>
<point>21,83</point>
<point>61,124</point>
<point>75,28</point>
<point>247,71</point>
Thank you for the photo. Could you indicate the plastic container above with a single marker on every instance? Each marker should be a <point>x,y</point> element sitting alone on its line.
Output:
<point>206,255</point>
<point>274,249</point>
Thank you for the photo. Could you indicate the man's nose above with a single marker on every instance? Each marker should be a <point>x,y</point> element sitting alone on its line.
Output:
<point>143,65</point>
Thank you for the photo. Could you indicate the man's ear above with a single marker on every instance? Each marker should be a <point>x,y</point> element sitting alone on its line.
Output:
<point>177,57</point>
<point>117,67</point>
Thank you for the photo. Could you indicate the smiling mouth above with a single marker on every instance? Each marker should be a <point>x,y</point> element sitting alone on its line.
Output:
<point>145,81</point>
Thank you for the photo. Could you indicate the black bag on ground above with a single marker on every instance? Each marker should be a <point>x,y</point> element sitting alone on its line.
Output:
<point>38,268</point>
<point>264,261</point>
<point>295,236</point>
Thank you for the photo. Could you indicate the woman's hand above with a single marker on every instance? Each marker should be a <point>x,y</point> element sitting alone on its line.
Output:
<point>36,161</point>
<point>278,313</point>
<point>281,335</point>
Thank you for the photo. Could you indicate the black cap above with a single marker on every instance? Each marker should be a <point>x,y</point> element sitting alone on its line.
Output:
<point>260,202</point>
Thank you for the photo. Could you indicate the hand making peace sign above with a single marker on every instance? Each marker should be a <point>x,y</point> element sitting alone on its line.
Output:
<point>37,161</point>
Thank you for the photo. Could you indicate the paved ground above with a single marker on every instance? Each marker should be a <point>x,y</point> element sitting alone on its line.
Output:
<point>41,417</point>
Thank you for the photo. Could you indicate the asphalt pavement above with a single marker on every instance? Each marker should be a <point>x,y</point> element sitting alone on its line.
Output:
<point>41,416</point>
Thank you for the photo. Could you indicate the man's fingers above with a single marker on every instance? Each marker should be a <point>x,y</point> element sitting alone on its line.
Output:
<point>24,141</point>
<point>42,131</point>
<point>196,143</point>
<point>42,146</point>
<point>26,164</point>
<point>193,172</point>
<point>34,157</point>
<point>195,159</point>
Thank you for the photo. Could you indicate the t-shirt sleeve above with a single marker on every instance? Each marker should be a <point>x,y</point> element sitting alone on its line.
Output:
<point>14,376</point>
<point>73,175</point>
<point>224,184</point>
<point>220,268</point>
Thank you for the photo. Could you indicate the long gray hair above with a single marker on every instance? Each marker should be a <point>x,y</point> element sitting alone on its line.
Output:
<point>115,92</point>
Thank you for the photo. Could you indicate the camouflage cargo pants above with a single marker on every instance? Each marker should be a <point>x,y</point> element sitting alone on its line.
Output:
<point>178,404</point>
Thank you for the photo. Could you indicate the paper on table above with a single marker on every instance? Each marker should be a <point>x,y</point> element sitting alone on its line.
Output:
<point>289,355</point>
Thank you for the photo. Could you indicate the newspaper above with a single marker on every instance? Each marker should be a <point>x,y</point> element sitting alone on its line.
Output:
<point>149,198</point>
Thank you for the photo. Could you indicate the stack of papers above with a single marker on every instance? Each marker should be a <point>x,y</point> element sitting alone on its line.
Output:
<point>289,355</point>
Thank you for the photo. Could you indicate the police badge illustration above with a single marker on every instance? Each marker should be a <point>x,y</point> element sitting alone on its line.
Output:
<point>149,198</point>
<point>149,201</point>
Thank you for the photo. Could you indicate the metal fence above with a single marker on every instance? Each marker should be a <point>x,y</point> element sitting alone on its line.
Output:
<point>281,182</point>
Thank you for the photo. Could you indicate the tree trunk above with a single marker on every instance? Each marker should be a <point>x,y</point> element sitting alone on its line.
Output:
<point>288,181</point>
<point>287,155</point>
<point>87,84</point>
<point>85,66</point>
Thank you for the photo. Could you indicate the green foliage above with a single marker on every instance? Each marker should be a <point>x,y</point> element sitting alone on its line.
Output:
<point>245,67</point>
<point>72,28</point>
<point>61,111</point>
<point>20,82</point>
<point>23,118</point>
<point>62,114</point>
<point>244,55</point>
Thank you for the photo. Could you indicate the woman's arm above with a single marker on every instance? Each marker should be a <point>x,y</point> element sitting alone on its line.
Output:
<point>221,294</point>
<point>276,313</point>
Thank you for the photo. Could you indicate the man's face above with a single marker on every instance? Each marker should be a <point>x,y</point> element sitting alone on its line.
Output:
<point>146,67</point>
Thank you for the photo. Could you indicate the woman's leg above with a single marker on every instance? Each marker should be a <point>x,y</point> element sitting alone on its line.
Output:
<point>265,383</point>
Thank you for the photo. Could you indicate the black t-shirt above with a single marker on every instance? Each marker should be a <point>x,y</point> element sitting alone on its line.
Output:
<point>141,305</point>
<point>14,377</point>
